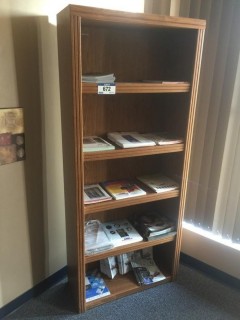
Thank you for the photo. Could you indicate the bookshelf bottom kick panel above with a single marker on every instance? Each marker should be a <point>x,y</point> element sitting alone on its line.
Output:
<point>121,286</point>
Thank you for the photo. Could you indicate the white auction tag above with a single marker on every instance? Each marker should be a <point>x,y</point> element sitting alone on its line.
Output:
<point>106,88</point>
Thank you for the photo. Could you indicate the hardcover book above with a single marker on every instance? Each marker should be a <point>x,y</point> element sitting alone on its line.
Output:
<point>95,286</point>
<point>94,143</point>
<point>123,188</point>
<point>130,139</point>
<point>121,232</point>
<point>94,193</point>
<point>158,182</point>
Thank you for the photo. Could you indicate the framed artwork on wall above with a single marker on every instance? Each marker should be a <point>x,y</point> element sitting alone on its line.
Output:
<point>12,140</point>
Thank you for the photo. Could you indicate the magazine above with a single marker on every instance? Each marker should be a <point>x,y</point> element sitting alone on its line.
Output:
<point>95,193</point>
<point>123,188</point>
<point>159,183</point>
<point>94,143</point>
<point>124,262</point>
<point>121,232</point>
<point>144,267</point>
<point>163,138</point>
<point>96,240</point>
<point>95,286</point>
<point>130,139</point>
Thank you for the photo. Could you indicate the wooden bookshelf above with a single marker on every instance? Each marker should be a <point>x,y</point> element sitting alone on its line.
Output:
<point>156,61</point>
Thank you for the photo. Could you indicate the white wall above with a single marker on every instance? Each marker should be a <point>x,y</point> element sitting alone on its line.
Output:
<point>32,222</point>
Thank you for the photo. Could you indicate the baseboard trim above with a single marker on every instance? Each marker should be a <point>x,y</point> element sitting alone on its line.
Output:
<point>35,291</point>
<point>209,270</point>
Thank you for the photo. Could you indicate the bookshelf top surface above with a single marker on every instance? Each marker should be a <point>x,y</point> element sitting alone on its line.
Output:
<point>98,15</point>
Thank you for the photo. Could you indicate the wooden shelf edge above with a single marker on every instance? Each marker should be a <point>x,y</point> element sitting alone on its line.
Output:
<point>114,204</point>
<point>132,152</point>
<point>128,248</point>
<point>141,87</point>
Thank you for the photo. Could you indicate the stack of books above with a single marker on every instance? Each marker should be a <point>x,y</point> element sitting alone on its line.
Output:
<point>159,182</point>
<point>130,139</point>
<point>154,225</point>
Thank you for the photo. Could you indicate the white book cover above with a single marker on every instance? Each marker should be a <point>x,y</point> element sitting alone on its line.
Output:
<point>130,139</point>
<point>95,143</point>
<point>95,193</point>
<point>158,182</point>
<point>96,240</point>
<point>98,78</point>
<point>108,266</point>
<point>163,138</point>
<point>121,232</point>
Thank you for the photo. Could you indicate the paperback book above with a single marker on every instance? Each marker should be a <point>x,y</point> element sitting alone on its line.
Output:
<point>124,262</point>
<point>163,138</point>
<point>124,188</point>
<point>158,182</point>
<point>94,193</point>
<point>121,232</point>
<point>96,240</point>
<point>130,139</point>
<point>144,267</point>
<point>95,286</point>
<point>94,143</point>
<point>109,267</point>
<point>98,78</point>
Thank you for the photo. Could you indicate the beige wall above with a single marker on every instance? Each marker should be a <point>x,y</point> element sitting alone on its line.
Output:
<point>32,223</point>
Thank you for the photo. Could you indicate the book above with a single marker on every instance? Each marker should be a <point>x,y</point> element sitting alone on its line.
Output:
<point>158,182</point>
<point>95,143</point>
<point>153,224</point>
<point>163,138</point>
<point>144,267</point>
<point>121,232</point>
<point>123,188</point>
<point>124,262</point>
<point>108,266</point>
<point>94,193</point>
<point>95,286</point>
<point>96,240</point>
<point>130,139</point>
<point>98,78</point>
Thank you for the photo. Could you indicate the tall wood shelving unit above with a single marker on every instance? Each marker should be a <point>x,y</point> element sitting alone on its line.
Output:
<point>134,47</point>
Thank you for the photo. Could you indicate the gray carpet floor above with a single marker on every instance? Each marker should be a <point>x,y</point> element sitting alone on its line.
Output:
<point>194,296</point>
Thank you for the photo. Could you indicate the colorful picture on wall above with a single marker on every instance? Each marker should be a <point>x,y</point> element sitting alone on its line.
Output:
<point>12,140</point>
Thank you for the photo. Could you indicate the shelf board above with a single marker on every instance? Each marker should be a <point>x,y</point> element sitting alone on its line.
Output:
<point>114,204</point>
<point>141,87</point>
<point>121,286</point>
<point>128,248</point>
<point>132,152</point>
